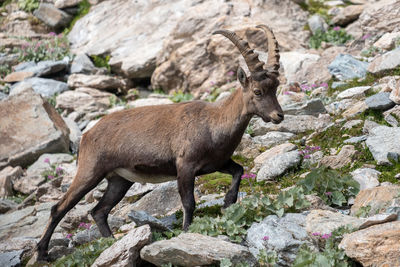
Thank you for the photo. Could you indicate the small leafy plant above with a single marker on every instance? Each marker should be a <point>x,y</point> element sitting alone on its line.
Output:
<point>335,36</point>
<point>180,96</point>
<point>54,171</point>
<point>54,48</point>
<point>330,185</point>
<point>28,5</point>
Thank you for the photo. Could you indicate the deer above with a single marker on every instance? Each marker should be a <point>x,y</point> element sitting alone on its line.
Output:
<point>180,141</point>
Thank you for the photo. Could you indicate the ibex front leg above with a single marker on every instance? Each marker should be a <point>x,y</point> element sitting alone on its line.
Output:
<point>236,171</point>
<point>186,191</point>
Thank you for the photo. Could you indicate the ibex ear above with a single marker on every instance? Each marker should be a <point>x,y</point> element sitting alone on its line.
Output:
<point>241,75</point>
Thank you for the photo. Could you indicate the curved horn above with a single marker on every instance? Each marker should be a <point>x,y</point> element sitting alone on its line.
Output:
<point>273,49</point>
<point>249,55</point>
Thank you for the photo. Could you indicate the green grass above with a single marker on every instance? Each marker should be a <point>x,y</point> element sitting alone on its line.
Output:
<point>101,61</point>
<point>388,172</point>
<point>84,8</point>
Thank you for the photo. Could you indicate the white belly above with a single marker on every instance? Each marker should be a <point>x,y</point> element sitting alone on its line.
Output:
<point>143,178</point>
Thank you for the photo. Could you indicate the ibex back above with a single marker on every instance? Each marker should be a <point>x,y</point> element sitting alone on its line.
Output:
<point>178,141</point>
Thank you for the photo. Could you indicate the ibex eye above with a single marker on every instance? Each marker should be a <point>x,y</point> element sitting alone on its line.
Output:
<point>257,91</point>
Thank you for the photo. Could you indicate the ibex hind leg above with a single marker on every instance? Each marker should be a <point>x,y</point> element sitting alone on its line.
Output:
<point>84,181</point>
<point>116,190</point>
<point>236,171</point>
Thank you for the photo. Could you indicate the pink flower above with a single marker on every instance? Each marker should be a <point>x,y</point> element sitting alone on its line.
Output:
<point>307,156</point>
<point>59,170</point>
<point>286,93</point>
<point>366,36</point>
<point>230,73</point>
<point>328,193</point>
<point>47,160</point>
<point>265,238</point>
<point>324,85</point>
<point>248,176</point>
<point>69,236</point>
<point>316,234</point>
<point>50,177</point>
<point>212,83</point>
<point>305,87</point>
<point>52,34</point>
<point>326,236</point>
<point>337,28</point>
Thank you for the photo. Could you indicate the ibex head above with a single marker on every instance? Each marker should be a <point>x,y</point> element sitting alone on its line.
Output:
<point>259,90</point>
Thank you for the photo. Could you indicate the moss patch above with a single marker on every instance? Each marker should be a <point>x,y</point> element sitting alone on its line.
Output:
<point>84,8</point>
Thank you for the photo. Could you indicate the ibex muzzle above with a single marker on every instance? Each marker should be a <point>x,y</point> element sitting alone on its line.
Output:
<point>176,141</point>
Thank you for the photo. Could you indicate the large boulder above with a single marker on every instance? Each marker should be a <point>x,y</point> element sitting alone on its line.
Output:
<point>45,87</point>
<point>376,246</point>
<point>385,62</point>
<point>190,249</point>
<point>383,142</point>
<point>125,252</point>
<point>30,127</point>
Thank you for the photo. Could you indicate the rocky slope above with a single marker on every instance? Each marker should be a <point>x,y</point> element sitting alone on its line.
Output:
<point>321,188</point>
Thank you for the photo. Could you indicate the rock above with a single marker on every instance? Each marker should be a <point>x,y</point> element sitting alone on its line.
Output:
<point>355,139</point>
<point>42,68</point>
<point>52,16</point>
<point>292,124</point>
<point>271,153</point>
<point>142,218</point>
<point>285,236</point>
<point>164,200</point>
<point>380,101</point>
<point>76,215</point>
<point>45,87</point>
<point>191,249</point>
<point>102,82</point>
<point>376,246</point>
<point>6,205</point>
<point>11,259</point>
<point>26,245</point>
<point>82,64</point>
<point>395,93</point>
<point>366,177</point>
<point>59,251</point>
<point>350,124</point>
<point>127,227</point>
<point>3,96</point>
<point>385,62</point>
<point>356,109</point>
<point>27,222</point>
<point>149,102</point>
<point>293,62</point>
<point>375,200</point>
<point>387,41</point>
<point>84,100</point>
<point>248,147</point>
<point>278,165</point>
<point>355,92</point>
<point>346,67</point>
<point>347,15</point>
<point>66,3</point>
<point>28,184</point>
<point>383,143</point>
<point>317,24</point>
<point>391,116</point>
<point>378,219</point>
<point>338,107</point>
<point>311,107</point>
<point>18,76</point>
<point>138,189</point>
<point>125,252</point>
<point>273,138</point>
<point>23,115</point>
<point>369,125</point>
<point>340,160</point>
<point>7,177</point>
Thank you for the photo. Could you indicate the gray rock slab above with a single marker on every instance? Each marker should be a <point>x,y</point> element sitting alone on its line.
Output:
<point>355,92</point>
<point>11,259</point>
<point>52,16</point>
<point>273,138</point>
<point>285,236</point>
<point>366,177</point>
<point>125,252</point>
<point>30,127</point>
<point>345,67</point>
<point>43,68</point>
<point>191,249</point>
<point>385,62</point>
<point>44,87</point>
<point>383,142</point>
<point>278,165</point>
<point>317,23</point>
<point>355,139</point>
<point>311,107</point>
<point>82,64</point>
<point>142,218</point>
<point>380,101</point>
<point>6,205</point>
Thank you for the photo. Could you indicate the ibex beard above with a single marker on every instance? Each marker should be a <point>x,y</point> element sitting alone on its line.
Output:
<point>166,142</point>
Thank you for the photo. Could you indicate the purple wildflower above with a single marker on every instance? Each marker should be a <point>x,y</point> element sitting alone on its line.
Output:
<point>265,238</point>
<point>248,176</point>
<point>314,85</point>
<point>305,87</point>
<point>212,83</point>
<point>286,93</point>
<point>336,28</point>
<point>324,85</point>
<point>69,236</point>
<point>316,234</point>
<point>326,236</point>
<point>307,156</point>
<point>47,160</point>
<point>50,177</point>
<point>52,34</point>
<point>230,73</point>
<point>366,36</point>
<point>59,170</point>
<point>328,193</point>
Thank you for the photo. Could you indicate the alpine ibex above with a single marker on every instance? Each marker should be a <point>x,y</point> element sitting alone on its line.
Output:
<point>167,142</point>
